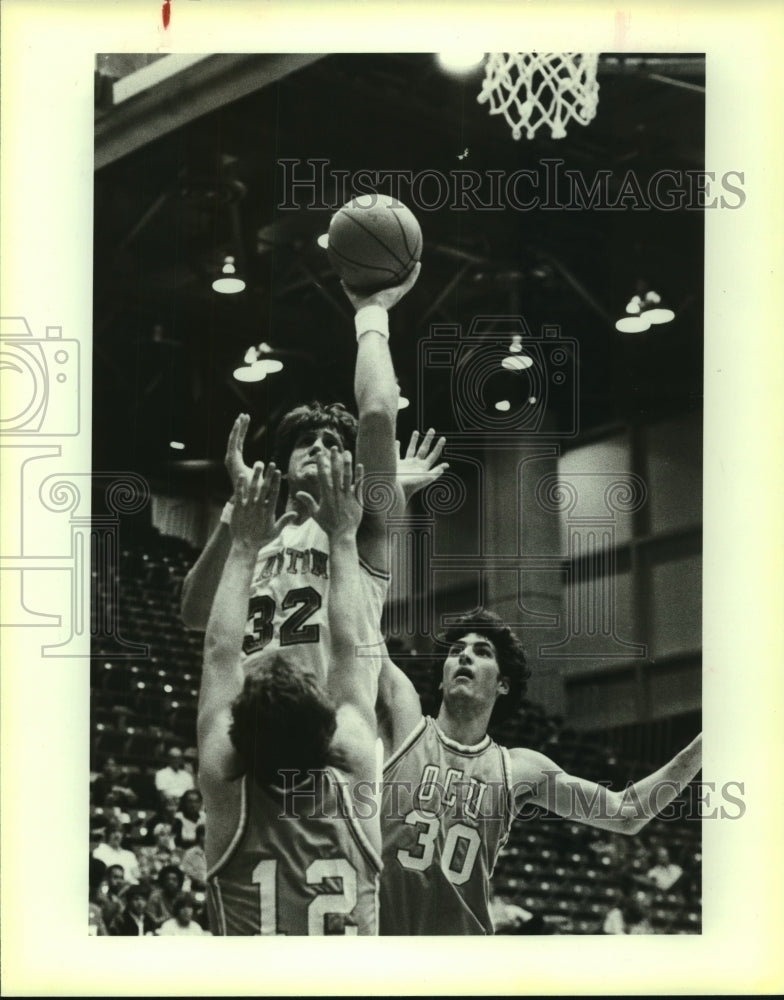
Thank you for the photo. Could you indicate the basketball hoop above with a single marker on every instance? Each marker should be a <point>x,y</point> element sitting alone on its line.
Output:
<point>533,89</point>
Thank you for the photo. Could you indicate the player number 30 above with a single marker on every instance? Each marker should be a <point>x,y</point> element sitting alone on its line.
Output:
<point>458,855</point>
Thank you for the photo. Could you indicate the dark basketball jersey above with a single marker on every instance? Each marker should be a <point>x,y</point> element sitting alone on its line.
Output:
<point>289,599</point>
<point>299,863</point>
<point>445,816</point>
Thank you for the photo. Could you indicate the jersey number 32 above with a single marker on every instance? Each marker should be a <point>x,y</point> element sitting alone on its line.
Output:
<point>302,602</point>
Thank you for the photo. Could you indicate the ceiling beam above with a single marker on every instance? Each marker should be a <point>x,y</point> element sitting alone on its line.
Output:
<point>196,90</point>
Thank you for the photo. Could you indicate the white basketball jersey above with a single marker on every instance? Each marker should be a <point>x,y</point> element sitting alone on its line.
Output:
<point>289,599</point>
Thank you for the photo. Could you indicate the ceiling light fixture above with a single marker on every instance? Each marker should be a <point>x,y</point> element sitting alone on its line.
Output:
<point>643,311</point>
<point>460,63</point>
<point>258,364</point>
<point>228,283</point>
<point>517,363</point>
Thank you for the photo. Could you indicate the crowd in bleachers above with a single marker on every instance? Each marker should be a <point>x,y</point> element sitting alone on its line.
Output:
<point>147,865</point>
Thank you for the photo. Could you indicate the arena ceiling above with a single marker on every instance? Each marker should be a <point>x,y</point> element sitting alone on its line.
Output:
<point>188,171</point>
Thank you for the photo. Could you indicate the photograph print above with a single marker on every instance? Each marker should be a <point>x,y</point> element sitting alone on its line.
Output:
<point>397,464</point>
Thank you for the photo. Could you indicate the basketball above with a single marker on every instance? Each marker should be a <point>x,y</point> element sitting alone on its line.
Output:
<point>374,242</point>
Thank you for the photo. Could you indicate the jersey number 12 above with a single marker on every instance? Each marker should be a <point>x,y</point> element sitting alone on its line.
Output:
<point>321,906</point>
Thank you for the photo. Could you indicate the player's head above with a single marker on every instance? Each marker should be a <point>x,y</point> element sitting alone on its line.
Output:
<point>302,426</point>
<point>282,720</point>
<point>485,662</point>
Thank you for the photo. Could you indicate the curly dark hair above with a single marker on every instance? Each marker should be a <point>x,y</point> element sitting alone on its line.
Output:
<point>183,899</point>
<point>167,870</point>
<point>313,416</point>
<point>509,653</point>
<point>282,720</point>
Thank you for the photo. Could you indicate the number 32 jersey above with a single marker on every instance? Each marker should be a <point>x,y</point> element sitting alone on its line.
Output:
<point>289,598</point>
<point>445,816</point>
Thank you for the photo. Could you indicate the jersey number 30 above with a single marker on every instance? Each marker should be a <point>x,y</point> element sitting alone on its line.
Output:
<point>293,631</point>
<point>321,906</point>
<point>458,855</point>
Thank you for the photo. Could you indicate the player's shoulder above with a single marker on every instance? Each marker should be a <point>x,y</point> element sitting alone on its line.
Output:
<point>529,764</point>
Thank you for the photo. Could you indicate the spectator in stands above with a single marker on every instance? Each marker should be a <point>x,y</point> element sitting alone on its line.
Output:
<point>182,922</point>
<point>630,913</point>
<point>112,853</point>
<point>161,903</point>
<point>134,921</point>
<point>509,918</point>
<point>174,779</point>
<point>166,816</point>
<point>112,782</point>
<point>194,862</point>
<point>188,817</point>
<point>112,895</point>
<point>611,846</point>
<point>153,858</point>
<point>665,873</point>
<point>191,757</point>
<point>96,925</point>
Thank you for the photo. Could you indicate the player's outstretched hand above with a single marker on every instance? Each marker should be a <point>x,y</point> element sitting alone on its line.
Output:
<point>420,467</point>
<point>339,510</point>
<point>233,460</point>
<point>253,521</point>
<point>387,297</point>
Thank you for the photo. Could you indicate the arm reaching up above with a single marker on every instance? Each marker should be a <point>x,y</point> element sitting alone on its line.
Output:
<point>376,393</point>
<point>201,581</point>
<point>352,679</point>
<point>253,524</point>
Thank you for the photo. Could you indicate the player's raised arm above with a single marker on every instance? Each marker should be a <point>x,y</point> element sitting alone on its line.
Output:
<point>538,779</point>
<point>376,393</point>
<point>398,708</point>
<point>351,680</point>
<point>201,582</point>
<point>253,524</point>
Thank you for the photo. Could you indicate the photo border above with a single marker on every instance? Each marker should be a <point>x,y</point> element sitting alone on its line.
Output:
<point>47,190</point>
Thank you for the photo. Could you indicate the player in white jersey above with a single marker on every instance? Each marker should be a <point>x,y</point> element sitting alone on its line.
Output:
<point>451,793</point>
<point>282,754</point>
<point>289,595</point>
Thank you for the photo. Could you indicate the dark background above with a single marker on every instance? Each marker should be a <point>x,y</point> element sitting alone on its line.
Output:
<point>170,203</point>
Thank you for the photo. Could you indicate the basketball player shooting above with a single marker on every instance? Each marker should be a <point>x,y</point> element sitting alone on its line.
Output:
<point>451,793</point>
<point>279,755</point>
<point>288,603</point>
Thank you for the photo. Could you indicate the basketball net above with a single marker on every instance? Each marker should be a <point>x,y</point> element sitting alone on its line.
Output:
<point>532,89</point>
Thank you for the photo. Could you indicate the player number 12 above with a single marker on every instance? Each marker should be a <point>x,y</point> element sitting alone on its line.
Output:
<point>322,905</point>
